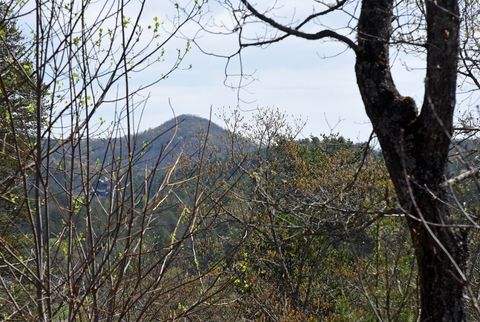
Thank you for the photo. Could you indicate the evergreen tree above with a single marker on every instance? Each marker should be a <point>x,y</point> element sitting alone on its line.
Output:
<point>17,117</point>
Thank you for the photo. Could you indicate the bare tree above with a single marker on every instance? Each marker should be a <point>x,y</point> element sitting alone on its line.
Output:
<point>107,235</point>
<point>415,144</point>
<point>324,240</point>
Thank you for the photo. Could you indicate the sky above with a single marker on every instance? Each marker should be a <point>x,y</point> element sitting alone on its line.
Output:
<point>310,80</point>
<point>292,76</point>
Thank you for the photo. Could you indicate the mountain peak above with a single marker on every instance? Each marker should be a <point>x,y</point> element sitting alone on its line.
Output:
<point>185,126</point>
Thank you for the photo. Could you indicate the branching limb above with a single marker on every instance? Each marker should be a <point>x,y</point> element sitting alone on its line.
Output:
<point>296,31</point>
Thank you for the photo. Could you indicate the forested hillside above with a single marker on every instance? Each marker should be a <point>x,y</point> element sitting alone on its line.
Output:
<point>250,219</point>
<point>184,134</point>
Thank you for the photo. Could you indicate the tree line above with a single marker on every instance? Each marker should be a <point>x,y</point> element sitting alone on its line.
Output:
<point>274,228</point>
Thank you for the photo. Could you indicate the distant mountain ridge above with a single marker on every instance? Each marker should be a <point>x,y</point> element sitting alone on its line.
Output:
<point>184,134</point>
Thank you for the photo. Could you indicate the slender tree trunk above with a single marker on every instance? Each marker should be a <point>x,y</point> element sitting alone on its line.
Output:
<point>415,146</point>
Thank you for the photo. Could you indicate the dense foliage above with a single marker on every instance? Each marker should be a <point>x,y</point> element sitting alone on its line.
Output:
<point>191,222</point>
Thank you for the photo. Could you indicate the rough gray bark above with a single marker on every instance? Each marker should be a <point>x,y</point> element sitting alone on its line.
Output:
<point>415,146</point>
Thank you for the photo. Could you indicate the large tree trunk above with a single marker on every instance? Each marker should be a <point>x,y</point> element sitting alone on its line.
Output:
<point>415,146</point>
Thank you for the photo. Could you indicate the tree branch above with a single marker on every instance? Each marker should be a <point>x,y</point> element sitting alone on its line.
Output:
<point>473,172</point>
<point>296,32</point>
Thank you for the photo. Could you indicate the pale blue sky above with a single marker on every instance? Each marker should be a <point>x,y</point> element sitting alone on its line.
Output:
<point>293,76</point>
<point>296,76</point>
